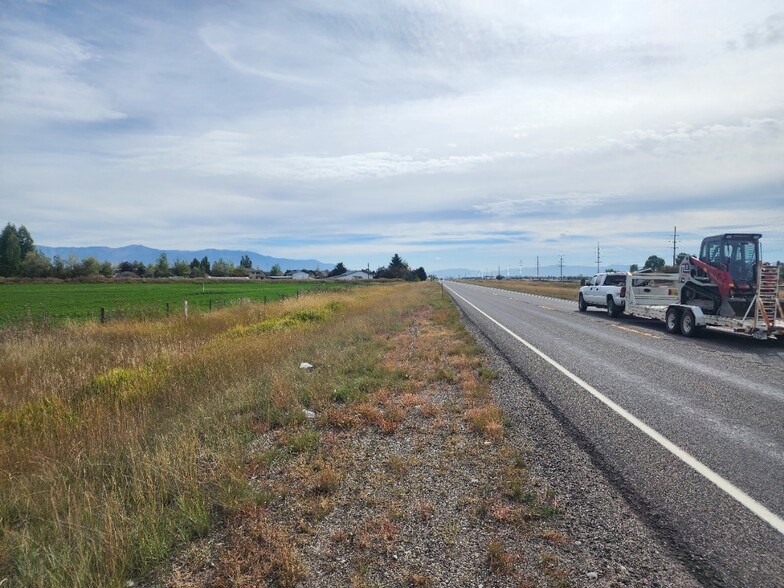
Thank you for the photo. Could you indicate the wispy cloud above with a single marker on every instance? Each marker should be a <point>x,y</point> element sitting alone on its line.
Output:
<point>41,77</point>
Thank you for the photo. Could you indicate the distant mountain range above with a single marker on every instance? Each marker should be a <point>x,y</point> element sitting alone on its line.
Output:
<point>149,255</point>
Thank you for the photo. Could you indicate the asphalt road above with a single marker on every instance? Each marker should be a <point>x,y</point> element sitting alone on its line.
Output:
<point>690,430</point>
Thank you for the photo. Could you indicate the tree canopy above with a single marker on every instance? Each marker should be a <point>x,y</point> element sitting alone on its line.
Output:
<point>654,262</point>
<point>339,270</point>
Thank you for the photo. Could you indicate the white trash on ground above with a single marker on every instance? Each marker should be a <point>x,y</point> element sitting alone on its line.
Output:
<point>305,365</point>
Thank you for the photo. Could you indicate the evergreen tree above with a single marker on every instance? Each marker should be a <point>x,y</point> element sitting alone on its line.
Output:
<point>339,270</point>
<point>398,268</point>
<point>246,262</point>
<point>26,242</point>
<point>10,252</point>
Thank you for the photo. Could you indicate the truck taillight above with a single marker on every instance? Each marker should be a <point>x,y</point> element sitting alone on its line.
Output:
<point>623,291</point>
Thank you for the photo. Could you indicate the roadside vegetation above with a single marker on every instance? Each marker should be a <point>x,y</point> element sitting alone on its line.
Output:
<point>565,290</point>
<point>124,443</point>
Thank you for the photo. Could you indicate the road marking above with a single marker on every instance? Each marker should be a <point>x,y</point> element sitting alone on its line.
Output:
<point>728,487</point>
<point>546,307</point>
<point>643,333</point>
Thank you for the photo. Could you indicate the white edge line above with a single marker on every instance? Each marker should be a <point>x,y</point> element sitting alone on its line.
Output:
<point>728,487</point>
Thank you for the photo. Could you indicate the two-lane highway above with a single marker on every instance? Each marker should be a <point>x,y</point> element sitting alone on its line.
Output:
<point>694,428</point>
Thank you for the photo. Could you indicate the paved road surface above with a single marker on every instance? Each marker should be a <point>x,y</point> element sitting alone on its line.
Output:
<point>718,400</point>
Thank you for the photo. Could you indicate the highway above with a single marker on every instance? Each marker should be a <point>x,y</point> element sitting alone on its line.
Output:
<point>690,430</point>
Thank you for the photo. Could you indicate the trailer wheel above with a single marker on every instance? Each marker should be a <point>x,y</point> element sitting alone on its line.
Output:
<point>673,320</point>
<point>688,324</point>
<point>582,305</point>
<point>612,309</point>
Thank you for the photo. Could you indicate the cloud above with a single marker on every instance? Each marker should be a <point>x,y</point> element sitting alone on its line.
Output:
<point>42,77</point>
<point>769,32</point>
<point>470,131</point>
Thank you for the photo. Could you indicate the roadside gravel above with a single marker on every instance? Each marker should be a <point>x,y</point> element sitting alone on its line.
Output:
<point>611,545</point>
<point>431,485</point>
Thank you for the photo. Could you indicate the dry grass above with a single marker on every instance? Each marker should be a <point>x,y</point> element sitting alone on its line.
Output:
<point>119,442</point>
<point>565,290</point>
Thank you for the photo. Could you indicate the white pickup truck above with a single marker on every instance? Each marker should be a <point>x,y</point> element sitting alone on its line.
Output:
<point>606,290</point>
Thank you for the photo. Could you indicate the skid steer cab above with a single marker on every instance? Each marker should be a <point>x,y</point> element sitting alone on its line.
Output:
<point>723,279</point>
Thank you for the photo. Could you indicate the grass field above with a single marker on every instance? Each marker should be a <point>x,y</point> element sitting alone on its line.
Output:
<point>565,290</point>
<point>58,301</point>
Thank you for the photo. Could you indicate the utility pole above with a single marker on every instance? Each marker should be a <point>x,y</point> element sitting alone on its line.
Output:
<point>537,267</point>
<point>521,268</point>
<point>674,243</point>
<point>561,264</point>
<point>598,258</point>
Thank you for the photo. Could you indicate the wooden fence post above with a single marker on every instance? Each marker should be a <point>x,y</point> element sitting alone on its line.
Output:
<point>103,315</point>
<point>167,309</point>
<point>186,309</point>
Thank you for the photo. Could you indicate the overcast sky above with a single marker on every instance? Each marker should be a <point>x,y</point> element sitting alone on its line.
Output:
<point>457,134</point>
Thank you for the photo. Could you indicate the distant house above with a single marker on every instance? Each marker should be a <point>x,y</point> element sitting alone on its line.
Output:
<point>256,274</point>
<point>300,276</point>
<point>354,276</point>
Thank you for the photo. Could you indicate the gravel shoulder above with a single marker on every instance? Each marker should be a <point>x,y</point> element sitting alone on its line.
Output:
<point>608,537</point>
<point>461,477</point>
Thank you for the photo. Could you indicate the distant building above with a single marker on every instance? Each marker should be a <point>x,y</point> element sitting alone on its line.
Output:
<point>256,274</point>
<point>354,276</point>
<point>300,276</point>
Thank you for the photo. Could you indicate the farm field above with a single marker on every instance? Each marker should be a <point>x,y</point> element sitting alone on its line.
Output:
<point>564,290</point>
<point>56,302</point>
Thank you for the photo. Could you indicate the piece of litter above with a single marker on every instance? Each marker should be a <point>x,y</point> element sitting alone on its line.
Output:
<point>308,413</point>
<point>305,365</point>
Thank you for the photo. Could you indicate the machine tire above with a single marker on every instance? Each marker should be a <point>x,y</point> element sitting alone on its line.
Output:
<point>673,320</point>
<point>582,305</point>
<point>613,310</point>
<point>688,324</point>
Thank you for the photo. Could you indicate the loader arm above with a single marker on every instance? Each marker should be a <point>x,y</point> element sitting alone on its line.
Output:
<point>721,278</point>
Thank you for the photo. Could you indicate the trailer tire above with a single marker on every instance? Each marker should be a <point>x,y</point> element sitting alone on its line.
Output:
<point>582,305</point>
<point>612,309</point>
<point>689,326</point>
<point>673,320</point>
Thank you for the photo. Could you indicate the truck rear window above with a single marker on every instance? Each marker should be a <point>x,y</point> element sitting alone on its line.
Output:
<point>618,280</point>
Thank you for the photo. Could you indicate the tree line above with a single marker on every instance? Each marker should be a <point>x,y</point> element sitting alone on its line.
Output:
<point>20,258</point>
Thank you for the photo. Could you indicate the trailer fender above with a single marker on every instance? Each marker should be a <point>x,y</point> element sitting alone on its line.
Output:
<point>699,316</point>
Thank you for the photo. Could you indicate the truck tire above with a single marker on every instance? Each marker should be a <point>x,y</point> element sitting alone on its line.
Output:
<point>582,305</point>
<point>612,309</point>
<point>673,320</point>
<point>689,326</point>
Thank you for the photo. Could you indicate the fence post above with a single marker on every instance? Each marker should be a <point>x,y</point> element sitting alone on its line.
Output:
<point>167,309</point>
<point>210,304</point>
<point>103,315</point>
<point>297,294</point>
<point>186,309</point>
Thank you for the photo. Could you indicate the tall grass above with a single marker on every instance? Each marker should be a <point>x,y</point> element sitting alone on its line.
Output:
<point>119,442</point>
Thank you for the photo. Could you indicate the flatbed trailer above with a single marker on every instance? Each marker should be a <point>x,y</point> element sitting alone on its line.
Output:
<point>658,296</point>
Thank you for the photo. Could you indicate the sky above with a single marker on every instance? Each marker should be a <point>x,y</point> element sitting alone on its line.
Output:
<point>460,134</point>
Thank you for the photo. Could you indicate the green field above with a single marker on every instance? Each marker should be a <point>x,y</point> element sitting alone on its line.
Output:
<point>55,302</point>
